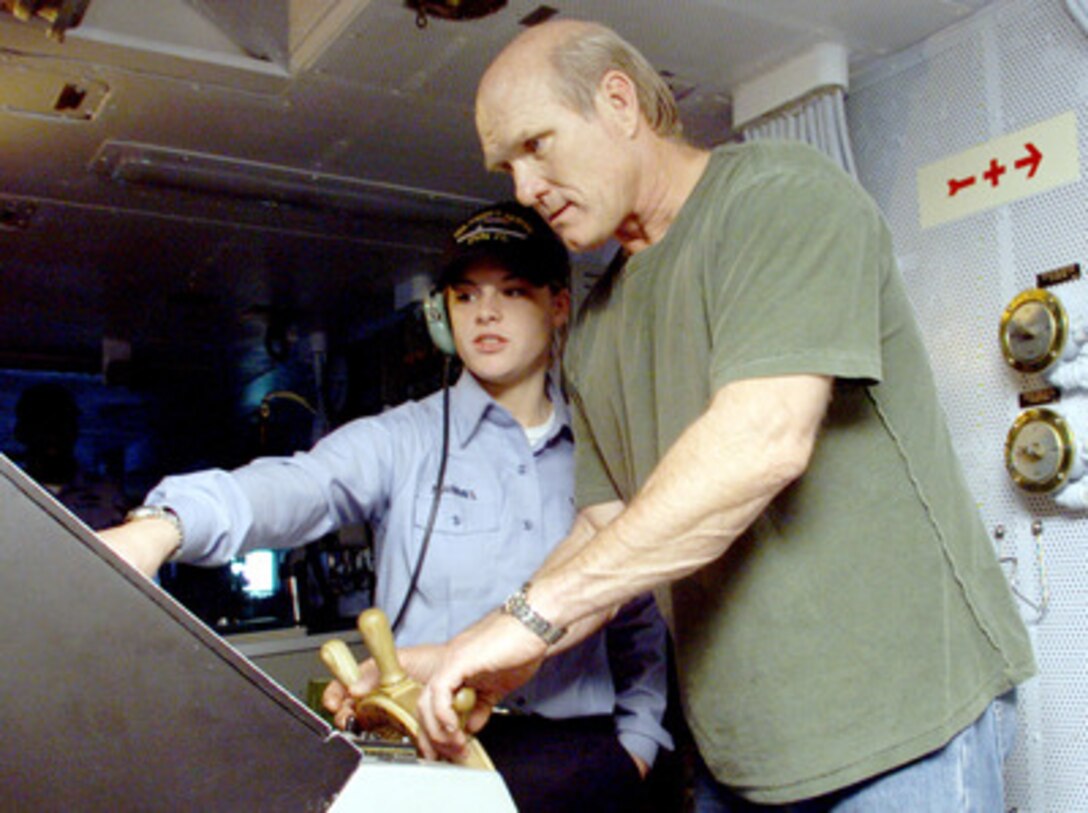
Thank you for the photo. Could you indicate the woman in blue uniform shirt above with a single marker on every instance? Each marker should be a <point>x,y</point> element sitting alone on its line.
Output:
<point>587,728</point>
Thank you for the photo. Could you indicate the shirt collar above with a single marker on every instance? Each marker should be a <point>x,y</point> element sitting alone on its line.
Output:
<point>470,405</point>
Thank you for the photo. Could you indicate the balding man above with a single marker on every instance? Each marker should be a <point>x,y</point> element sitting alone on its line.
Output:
<point>760,440</point>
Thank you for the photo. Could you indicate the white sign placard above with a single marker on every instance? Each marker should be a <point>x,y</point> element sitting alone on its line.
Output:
<point>1014,166</point>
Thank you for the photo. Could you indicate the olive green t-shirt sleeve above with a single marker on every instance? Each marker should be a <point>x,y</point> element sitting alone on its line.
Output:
<point>796,290</point>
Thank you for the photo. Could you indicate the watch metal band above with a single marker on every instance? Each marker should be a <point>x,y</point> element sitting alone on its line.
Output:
<point>517,605</point>
<point>159,512</point>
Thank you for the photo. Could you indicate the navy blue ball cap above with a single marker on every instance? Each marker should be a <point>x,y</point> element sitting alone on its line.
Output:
<point>512,235</point>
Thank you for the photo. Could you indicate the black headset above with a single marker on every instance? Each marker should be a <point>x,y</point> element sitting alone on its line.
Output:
<point>436,317</point>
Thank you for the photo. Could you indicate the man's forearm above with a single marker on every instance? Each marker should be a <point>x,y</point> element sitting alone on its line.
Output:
<point>589,522</point>
<point>586,526</point>
<point>755,438</point>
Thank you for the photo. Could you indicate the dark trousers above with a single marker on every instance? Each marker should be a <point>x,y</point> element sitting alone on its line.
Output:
<point>563,766</point>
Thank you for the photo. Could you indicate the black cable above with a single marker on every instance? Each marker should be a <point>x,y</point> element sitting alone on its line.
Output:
<point>439,482</point>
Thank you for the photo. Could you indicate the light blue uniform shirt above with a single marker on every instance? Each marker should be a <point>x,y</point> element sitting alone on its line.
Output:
<point>504,507</point>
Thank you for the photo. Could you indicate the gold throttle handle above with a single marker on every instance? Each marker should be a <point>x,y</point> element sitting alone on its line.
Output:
<point>463,703</point>
<point>378,636</point>
<point>390,710</point>
<point>339,660</point>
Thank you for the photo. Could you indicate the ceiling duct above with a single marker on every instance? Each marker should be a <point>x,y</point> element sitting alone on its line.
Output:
<point>821,67</point>
<point>288,33</point>
<point>261,29</point>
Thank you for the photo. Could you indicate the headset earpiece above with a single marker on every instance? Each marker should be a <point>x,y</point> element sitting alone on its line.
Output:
<point>438,323</point>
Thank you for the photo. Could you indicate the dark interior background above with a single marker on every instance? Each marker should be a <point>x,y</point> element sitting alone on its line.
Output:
<point>206,203</point>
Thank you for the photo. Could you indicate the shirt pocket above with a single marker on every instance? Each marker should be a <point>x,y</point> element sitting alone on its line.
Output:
<point>463,559</point>
<point>462,510</point>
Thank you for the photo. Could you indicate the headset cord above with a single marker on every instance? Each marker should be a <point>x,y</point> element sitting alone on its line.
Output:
<point>440,481</point>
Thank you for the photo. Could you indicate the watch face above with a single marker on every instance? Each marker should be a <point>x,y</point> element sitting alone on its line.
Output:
<point>1039,450</point>
<point>1033,332</point>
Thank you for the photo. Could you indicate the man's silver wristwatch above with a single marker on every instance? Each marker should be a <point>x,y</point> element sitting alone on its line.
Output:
<point>159,512</point>
<point>518,607</point>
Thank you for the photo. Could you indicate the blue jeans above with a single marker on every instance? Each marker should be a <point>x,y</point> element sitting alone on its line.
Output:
<point>965,776</point>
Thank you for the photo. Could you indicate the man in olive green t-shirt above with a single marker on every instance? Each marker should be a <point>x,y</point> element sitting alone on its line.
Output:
<point>759,438</point>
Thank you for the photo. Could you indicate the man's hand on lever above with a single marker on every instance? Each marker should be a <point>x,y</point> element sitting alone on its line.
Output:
<point>339,700</point>
<point>494,656</point>
<point>390,709</point>
<point>499,653</point>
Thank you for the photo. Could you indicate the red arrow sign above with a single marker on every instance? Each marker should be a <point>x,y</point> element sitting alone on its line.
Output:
<point>1000,171</point>
<point>1033,159</point>
<point>955,185</point>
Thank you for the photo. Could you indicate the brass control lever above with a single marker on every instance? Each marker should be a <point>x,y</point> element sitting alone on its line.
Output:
<point>390,710</point>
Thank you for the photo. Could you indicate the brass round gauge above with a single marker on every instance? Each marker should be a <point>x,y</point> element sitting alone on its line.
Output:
<point>1034,329</point>
<point>1040,450</point>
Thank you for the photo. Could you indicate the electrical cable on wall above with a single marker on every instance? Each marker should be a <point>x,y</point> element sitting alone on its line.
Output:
<point>1042,605</point>
<point>1078,10</point>
<point>819,120</point>
<point>802,99</point>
